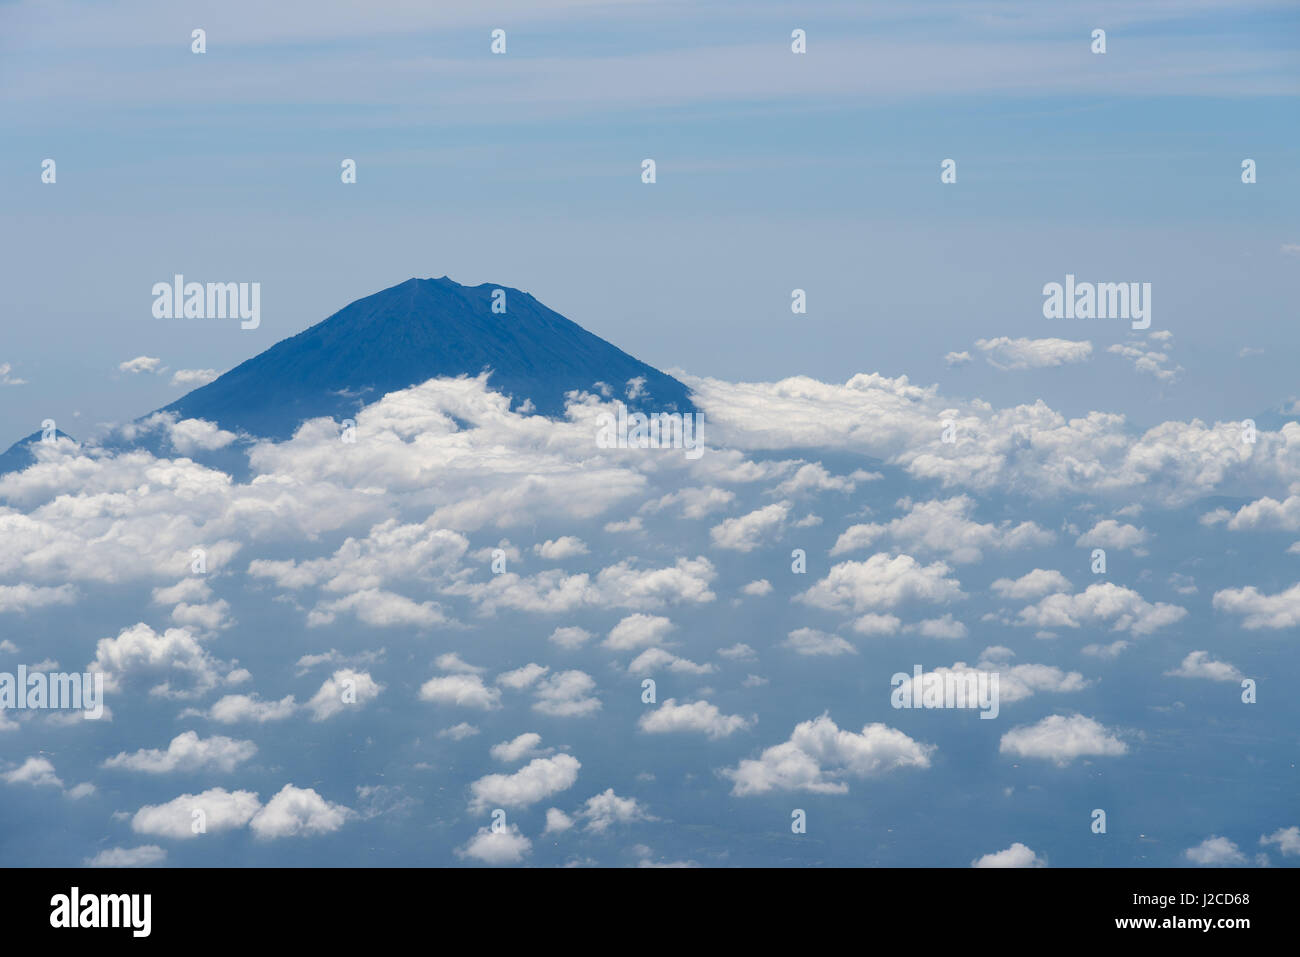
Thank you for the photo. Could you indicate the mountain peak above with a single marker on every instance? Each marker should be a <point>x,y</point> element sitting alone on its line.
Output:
<point>418,330</point>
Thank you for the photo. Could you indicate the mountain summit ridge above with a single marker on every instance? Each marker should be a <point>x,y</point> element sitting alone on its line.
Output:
<point>418,330</point>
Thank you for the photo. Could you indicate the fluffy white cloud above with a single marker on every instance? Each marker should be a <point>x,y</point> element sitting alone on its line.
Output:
<point>343,690</point>
<point>606,809</point>
<point>146,855</point>
<point>36,772</point>
<point>1215,851</point>
<point>222,810</point>
<point>1015,682</point>
<point>810,641</point>
<point>537,780</point>
<point>465,690</point>
<point>566,694</point>
<point>141,651</point>
<point>140,364</point>
<point>193,378</point>
<point>946,627</point>
<point>657,659</point>
<point>1287,840</point>
<point>638,631</point>
<point>570,637</point>
<point>618,586</point>
<point>506,846</point>
<point>557,822</point>
<point>819,756</point>
<point>1259,610</point>
<point>1061,739</point>
<point>26,597</point>
<point>1109,533</point>
<point>945,528</point>
<point>1017,855</point>
<point>517,748</point>
<point>1199,664</point>
<point>1031,585</point>
<point>1005,353</point>
<point>297,812</point>
<point>521,678</point>
<point>380,609</point>
<point>882,581</point>
<point>697,716</point>
<point>1104,603</point>
<point>234,708</point>
<point>187,752</point>
<point>561,548</point>
<point>748,532</point>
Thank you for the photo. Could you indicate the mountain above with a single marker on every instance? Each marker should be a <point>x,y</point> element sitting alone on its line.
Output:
<point>419,330</point>
<point>20,456</point>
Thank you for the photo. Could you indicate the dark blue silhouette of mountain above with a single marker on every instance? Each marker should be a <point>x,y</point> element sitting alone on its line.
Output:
<point>419,330</point>
<point>20,456</point>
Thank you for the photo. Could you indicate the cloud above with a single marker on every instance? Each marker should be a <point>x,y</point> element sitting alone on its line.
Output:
<point>809,641</point>
<point>36,772</point>
<point>379,609</point>
<point>557,822</point>
<point>698,717</point>
<point>566,694</point>
<point>187,752</point>
<point>618,586</point>
<point>570,637</point>
<point>1259,610</point>
<point>1287,840</point>
<point>1015,682</point>
<point>459,732</point>
<point>561,548</point>
<point>234,708</point>
<point>1017,855</point>
<point>1216,851</point>
<point>819,756</point>
<point>882,582</point>
<point>746,533</point>
<point>1032,584</point>
<point>6,378</point>
<point>638,631</point>
<point>1100,604</point>
<point>1152,362</point>
<point>141,651</point>
<point>506,846</point>
<point>139,364</point>
<point>1010,354</point>
<point>945,528</point>
<point>657,659</point>
<point>222,810</point>
<point>521,678</point>
<point>297,812</point>
<point>27,597</point>
<point>606,809</point>
<point>517,748</point>
<point>1199,664</point>
<point>146,855</point>
<point>757,589</point>
<point>539,779</point>
<point>1061,739</point>
<point>194,378</point>
<point>953,359</point>
<point>343,690</point>
<point>466,691</point>
<point>1112,534</point>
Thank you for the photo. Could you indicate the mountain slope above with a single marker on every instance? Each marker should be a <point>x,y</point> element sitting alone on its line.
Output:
<point>419,330</point>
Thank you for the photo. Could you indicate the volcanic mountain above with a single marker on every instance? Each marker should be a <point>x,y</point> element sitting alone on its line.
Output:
<point>419,330</point>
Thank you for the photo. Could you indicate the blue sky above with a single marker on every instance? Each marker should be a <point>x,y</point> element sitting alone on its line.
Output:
<point>775,172</point>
